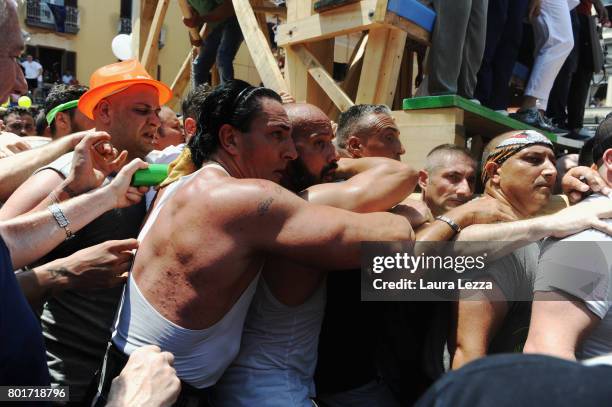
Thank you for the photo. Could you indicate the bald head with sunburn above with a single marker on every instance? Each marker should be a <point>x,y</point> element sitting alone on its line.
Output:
<point>312,134</point>
<point>519,169</point>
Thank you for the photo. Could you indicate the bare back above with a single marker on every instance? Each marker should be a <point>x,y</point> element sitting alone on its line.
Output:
<point>189,268</point>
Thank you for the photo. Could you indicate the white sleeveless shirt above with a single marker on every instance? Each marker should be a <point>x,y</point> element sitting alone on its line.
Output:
<point>200,356</point>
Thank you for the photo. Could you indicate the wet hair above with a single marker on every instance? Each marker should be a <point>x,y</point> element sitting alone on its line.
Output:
<point>348,120</point>
<point>235,103</point>
<point>191,105</point>
<point>60,94</point>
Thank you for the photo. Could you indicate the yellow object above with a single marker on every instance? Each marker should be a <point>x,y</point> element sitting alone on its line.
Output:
<point>5,104</point>
<point>24,101</point>
<point>183,165</point>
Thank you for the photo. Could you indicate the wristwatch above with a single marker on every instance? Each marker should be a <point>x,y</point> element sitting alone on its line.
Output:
<point>450,223</point>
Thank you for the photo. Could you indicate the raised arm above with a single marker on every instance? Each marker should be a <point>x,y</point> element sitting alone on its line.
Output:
<point>374,184</point>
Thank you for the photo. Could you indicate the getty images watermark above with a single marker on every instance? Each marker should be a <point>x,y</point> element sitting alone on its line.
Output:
<point>448,271</point>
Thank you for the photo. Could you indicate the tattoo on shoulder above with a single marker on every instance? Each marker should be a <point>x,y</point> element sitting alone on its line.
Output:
<point>264,206</point>
<point>59,272</point>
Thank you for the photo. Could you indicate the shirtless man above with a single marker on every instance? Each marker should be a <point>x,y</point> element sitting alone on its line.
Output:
<point>287,310</point>
<point>206,239</point>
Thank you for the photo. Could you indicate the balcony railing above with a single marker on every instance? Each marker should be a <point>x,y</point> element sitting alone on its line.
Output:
<point>39,14</point>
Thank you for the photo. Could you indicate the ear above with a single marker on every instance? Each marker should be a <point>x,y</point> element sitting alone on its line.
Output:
<point>190,128</point>
<point>492,170</point>
<point>354,147</point>
<point>62,121</point>
<point>423,179</point>
<point>103,111</point>
<point>229,139</point>
<point>607,158</point>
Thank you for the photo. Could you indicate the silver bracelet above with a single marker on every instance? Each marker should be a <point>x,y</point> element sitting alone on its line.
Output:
<point>450,223</point>
<point>61,219</point>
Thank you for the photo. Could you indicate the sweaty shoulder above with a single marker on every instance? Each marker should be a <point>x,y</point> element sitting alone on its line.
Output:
<point>232,198</point>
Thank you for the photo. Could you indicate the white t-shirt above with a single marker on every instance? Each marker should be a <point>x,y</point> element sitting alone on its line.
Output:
<point>31,69</point>
<point>165,156</point>
<point>581,265</point>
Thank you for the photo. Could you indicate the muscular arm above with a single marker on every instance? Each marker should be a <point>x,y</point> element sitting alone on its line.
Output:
<point>322,237</point>
<point>374,184</point>
<point>559,324</point>
<point>476,321</point>
<point>15,170</point>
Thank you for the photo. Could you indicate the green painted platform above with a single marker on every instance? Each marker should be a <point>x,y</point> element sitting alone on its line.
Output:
<point>482,119</point>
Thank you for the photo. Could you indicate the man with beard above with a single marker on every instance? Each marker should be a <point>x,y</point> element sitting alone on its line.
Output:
<point>287,310</point>
<point>191,297</point>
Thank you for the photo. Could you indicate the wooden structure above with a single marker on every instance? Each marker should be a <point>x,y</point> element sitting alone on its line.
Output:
<point>380,70</point>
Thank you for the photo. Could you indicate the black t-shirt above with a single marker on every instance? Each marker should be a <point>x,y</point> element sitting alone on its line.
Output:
<point>22,350</point>
<point>349,336</point>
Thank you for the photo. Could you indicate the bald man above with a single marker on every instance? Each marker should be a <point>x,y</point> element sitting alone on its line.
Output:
<point>278,354</point>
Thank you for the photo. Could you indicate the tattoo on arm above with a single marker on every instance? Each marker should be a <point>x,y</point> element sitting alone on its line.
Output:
<point>264,206</point>
<point>59,272</point>
<point>69,191</point>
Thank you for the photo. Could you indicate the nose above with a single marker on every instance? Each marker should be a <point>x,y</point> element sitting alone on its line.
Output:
<point>463,188</point>
<point>290,153</point>
<point>155,120</point>
<point>332,154</point>
<point>402,151</point>
<point>549,170</point>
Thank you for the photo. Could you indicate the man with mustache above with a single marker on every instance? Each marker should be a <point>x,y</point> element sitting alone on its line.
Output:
<point>290,299</point>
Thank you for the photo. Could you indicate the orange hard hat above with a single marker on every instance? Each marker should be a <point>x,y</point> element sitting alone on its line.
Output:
<point>113,78</point>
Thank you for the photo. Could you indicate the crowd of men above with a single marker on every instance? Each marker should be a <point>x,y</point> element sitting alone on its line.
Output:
<point>236,282</point>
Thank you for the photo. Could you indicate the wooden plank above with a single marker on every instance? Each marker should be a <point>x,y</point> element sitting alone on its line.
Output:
<point>324,5</point>
<point>421,131</point>
<point>323,78</point>
<point>354,17</point>
<point>143,24</point>
<point>390,67</point>
<point>275,11</point>
<point>181,82</point>
<point>296,73</point>
<point>194,35</point>
<point>414,31</point>
<point>258,47</point>
<point>151,50</point>
<point>372,64</point>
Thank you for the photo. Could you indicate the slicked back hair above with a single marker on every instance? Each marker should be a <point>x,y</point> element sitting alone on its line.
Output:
<point>235,103</point>
<point>349,120</point>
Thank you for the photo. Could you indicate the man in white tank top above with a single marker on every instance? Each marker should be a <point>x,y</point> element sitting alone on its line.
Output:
<point>278,354</point>
<point>195,270</point>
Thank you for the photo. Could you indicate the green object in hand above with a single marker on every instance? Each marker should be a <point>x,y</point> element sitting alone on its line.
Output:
<point>153,175</point>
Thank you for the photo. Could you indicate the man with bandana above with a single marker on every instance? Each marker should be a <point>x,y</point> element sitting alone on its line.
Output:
<point>290,298</point>
<point>519,171</point>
